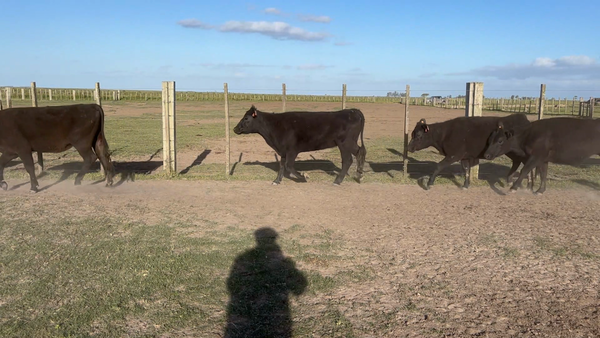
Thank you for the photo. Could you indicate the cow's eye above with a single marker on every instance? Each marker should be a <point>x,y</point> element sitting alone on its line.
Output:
<point>500,142</point>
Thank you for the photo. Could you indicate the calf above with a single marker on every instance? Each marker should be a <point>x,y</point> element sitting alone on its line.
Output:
<point>560,140</point>
<point>52,130</point>
<point>292,133</point>
<point>462,139</point>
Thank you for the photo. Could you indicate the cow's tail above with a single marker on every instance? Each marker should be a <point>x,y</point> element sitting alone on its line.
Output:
<point>362,151</point>
<point>103,151</point>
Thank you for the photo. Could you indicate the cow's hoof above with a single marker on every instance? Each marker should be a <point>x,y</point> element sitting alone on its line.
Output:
<point>33,190</point>
<point>538,193</point>
<point>426,187</point>
<point>465,188</point>
<point>275,183</point>
<point>305,175</point>
<point>512,191</point>
<point>336,184</point>
<point>4,185</point>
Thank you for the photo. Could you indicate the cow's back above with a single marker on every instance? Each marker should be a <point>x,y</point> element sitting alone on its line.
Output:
<point>308,131</point>
<point>468,136</point>
<point>50,129</point>
<point>563,139</point>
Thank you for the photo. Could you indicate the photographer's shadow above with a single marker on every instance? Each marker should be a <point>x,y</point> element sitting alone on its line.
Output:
<point>259,284</point>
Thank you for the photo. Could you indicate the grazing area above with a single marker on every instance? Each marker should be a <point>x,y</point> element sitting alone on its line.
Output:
<point>176,257</point>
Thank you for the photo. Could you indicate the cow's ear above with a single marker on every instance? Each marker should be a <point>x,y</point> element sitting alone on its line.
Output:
<point>254,113</point>
<point>424,125</point>
<point>508,134</point>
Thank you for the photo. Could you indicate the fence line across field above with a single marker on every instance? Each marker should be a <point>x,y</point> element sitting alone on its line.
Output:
<point>473,103</point>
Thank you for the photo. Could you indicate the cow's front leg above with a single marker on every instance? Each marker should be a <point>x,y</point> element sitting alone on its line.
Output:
<point>281,170</point>
<point>441,166</point>
<point>531,163</point>
<point>466,165</point>
<point>4,159</point>
<point>290,159</point>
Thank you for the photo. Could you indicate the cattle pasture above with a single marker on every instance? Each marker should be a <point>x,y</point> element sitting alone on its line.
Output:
<point>133,131</point>
<point>383,258</point>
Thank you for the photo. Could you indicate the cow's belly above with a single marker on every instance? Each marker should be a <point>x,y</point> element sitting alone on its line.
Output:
<point>315,146</point>
<point>51,147</point>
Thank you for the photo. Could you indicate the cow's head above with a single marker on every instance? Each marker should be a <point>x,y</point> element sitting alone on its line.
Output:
<point>249,123</point>
<point>498,142</point>
<point>420,137</point>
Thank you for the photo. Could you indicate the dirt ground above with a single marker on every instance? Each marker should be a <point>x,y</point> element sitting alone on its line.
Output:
<point>448,262</point>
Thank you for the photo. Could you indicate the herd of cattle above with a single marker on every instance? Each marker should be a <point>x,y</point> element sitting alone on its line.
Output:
<point>561,140</point>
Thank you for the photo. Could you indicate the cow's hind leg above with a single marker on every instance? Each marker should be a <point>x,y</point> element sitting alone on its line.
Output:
<point>281,170</point>
<point>543,170</point>
<point>4,159</point>
<point>346,163</point>
<point>361,154</point>
<point>27,158</point>
<point>88,158</point>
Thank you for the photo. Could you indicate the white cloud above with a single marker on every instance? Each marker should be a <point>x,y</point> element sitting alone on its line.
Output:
<point>313,67</point>
<point>277,30</point>
<point>273,11</point>
<point>193,23</point>
<point>342,43</point>
<point>576,67</point>
<point>230,65</point>
<point>314,18</point>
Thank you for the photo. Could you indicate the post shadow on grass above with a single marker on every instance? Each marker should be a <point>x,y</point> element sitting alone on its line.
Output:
<point>197,161</point>
<point>259,285</point>
<point>235,165</point>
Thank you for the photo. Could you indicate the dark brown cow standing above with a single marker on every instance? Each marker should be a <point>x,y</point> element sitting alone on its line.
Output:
<point>292,133</point>
<point>53,130</point>
<point>463,139</point>
<point>560,140</point>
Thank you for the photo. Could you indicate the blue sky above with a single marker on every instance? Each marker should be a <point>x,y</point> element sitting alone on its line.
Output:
<point>312,46</point>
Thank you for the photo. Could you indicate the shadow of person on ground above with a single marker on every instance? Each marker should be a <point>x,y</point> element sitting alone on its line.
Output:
<point>258,284</point>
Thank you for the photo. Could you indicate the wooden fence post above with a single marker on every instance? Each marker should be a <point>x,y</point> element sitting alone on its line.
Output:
<point>227,142</point>
<point>405,153</point>
<point>23,94</point>
<point>8,97</point>
<point>74,95</point>
<point>50,94</point>
<point>344,96</point>
<point>34,102</point>
<point>591,109</point>
<point>580,106</point>
<point>542,100</point>
<point>283,96</point>
<point>98,94</point>
<point>169,136</point>
<point>473,107</point>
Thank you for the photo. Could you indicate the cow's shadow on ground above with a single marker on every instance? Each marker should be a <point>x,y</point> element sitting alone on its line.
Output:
<point>124,170</point>
<point>493,173</point>
<point>302,166</point>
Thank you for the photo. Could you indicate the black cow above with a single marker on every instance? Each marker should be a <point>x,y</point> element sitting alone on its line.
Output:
<point>292,133</point>
<point>53,130</point>
<point>561,140</point>
<point>462,139</point>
